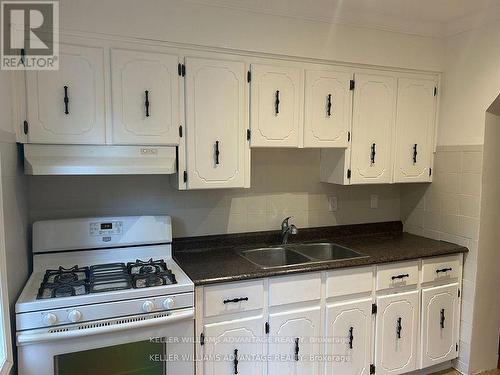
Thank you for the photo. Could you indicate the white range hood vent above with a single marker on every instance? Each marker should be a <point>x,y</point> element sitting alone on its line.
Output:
<point>98,160</point>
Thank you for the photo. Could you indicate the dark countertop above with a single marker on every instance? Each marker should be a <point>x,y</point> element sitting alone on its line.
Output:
<point>214,259</point>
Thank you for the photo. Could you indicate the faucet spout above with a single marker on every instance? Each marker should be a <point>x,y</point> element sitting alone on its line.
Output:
<point>286,230</point>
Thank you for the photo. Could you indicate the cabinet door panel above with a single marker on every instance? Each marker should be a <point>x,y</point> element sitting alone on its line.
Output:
<point>82,120</point>
<point>396,333</point>
<point>276,101</point>
<point>349,334</point>
<point>135,119</point>
<point>439,324</point>
<point>372,129</point>
<point>242,337</point>
<point>215,123</point>
<point>414,129</point>
<point>285,329</point>
<point>328,103</point>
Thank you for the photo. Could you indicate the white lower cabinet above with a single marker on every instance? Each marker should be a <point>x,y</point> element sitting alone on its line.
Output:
<point>396,333</point>
<point>349,337</point>
<point>440,326</point>
<point>293,342</point>
<point>234,347</point>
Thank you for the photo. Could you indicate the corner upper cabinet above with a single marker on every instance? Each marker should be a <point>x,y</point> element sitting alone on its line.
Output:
<point>66,106</point>
<point>276,101</point>
<point>328,108</point>
<point>372,128</point>
<point>218,153</point>
<point>415,123</point>
<point>145,97</point>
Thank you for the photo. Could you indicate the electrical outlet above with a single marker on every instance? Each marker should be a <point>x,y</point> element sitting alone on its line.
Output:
<point>374,201</point>
<point>332,203</point>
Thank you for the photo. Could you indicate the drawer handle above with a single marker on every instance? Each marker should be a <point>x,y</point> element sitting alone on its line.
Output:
<point>442,319</point>
<point>217,152</point>
<point>329,105</point>
<point>351,337</point>
<point>415,153</point>
<point>444,270</point>
<point>402,276</point>
<point>235,361</point>
<point>297,349</point>
<point>399,327</point>
<point>235,300</point>
<point>146,102</point>
<point>373,153</point>
<point>66,100</point>
<point>277,103</point>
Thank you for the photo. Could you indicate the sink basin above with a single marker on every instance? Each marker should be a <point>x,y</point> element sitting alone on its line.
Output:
<point>293,254</point>
<point>271,257</point>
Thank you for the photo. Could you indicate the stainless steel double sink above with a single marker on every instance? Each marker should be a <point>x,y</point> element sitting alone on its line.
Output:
<point>299,254</point>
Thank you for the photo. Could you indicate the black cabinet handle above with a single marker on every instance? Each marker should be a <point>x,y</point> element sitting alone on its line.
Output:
<point>444,270</point>
<point>277,103</point>
<point>217,152</point>
<point>297,349</point>
<point>329,105</point>
<point>235,300</point>
<point>351,337</point>
<point>399,327</point>
<point>146,102</point>
<point>373,153</point>
<point>66,100</point>
<point>442,318</point>
<point>415,153</point>
<point>402,276</point>
<point>235,361</point>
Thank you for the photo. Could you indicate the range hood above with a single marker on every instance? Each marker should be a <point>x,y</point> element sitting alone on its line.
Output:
<point>98,160</point>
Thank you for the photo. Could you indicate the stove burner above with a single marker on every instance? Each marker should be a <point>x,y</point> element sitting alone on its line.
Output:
<point>157,279</point>
<point>66,277</point>
<point>56,290</point>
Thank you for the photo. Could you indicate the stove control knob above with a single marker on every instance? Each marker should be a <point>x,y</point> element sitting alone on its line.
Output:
<point>148,306</point>
<point>74,316</point>
<point>49,319</point>
<point>169,303</point>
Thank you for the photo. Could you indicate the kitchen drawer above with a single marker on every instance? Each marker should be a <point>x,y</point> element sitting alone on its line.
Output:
<point>233,297</point>
<point>294,288</point>
<point>396,275</point>
<point>441,268</point>
<point>349,281</point>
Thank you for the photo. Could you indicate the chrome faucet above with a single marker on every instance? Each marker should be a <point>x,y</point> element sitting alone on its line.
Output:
<point>287,229</point>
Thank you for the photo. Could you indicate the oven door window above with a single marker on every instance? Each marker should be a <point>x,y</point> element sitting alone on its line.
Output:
<point>137,358</point>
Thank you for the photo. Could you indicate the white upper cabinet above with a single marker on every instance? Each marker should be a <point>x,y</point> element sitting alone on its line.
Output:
<point>145,97</point>
<point>372,128</point>
<point>416,112</point>
<point>216,123</point>
<point>276,105</point>
<point>328,108</point>
<point>66,106</point>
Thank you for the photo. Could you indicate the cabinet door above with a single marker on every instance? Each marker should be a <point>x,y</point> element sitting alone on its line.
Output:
<point>234,347</point>
<point>276,106</point>
<point>396,333</point>
<point>439,324</point>
<point>67,105</point>
<point>328,103</point>
<point>349,332</point>
<point>414,129</point>
<point>216,123</point>
<point>372,129</point>
<point>292,340</point>
<point>145,89</point>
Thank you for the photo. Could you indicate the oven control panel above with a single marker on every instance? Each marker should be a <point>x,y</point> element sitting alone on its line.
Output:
<point>108,228</point>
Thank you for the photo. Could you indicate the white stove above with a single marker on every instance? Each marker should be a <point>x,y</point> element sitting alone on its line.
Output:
<point>101,283</point>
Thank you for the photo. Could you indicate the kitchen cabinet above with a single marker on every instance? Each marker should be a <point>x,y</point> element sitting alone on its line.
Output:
<point>440,324</point>
<point>349,337</point>
<point>67,106</point>
<point>415,119</point>
<point>216,123</point>
<point>234,347</point>
<point>396,332</point>
<point>276,101</point>
<point>293,341</point>
<point>328,108</point>
<point>145,97</point>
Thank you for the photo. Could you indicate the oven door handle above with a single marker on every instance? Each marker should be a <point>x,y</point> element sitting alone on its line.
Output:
<point>31,338</point>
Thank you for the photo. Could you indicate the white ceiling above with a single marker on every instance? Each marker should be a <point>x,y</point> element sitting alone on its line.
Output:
<point>422,17</point>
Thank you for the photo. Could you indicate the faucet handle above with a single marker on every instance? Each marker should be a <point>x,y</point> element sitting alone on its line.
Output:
<point>284,223</point>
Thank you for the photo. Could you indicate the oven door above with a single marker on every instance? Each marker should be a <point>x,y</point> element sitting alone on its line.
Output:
<point>152,344</point>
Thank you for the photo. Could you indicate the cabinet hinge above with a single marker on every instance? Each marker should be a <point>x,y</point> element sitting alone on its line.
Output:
<point>202,338</point>
<point>182,70</point>
<point>266,327</point>
<point>352,84</point>
<point>374,308</point>
<point>179,69</point>
<point>177,159</point>
<point>180,131</point>
<point>185,176</point>
<point>249,76</point>
<point>26,127</point>
<point>249,134</point>
<point>459,293</point>
<point>430,172</point>
<point>372,369</point>
<point>348,136</point>
<point>456,346</point>
<point>435,91</point>
<point>23,54</point>
<point>348,173</point>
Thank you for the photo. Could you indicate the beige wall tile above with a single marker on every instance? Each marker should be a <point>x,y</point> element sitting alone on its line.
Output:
<point>472,162</point>
<point>469,205</point>
<point>470,184</point>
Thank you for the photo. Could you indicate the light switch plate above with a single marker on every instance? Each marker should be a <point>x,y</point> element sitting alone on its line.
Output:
<point>332,203</point>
